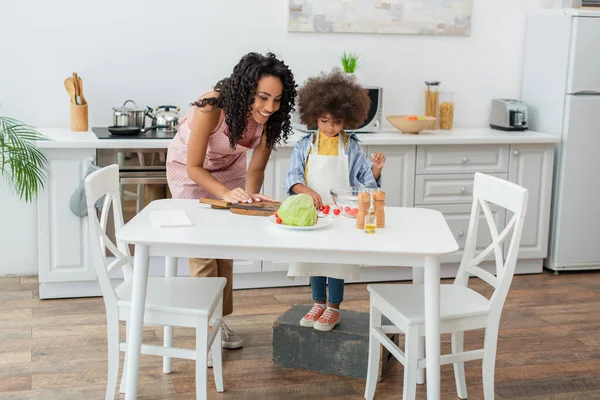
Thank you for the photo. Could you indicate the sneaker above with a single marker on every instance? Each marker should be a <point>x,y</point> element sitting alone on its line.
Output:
<point>329,320</point>
<point>313,315</point>
<point>229,340</point>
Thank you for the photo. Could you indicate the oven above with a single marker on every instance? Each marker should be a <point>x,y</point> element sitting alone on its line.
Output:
<point>142,177</point>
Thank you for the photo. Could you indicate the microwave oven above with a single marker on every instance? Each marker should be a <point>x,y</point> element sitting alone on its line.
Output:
<point>371,124</point>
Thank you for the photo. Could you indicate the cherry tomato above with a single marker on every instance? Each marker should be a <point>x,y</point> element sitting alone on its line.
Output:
<point>277,215</point>
<point>347,209</point>
<point>355,210</point>
<point>278,220</point>
<point>325,211</point>
<point>336,211</point>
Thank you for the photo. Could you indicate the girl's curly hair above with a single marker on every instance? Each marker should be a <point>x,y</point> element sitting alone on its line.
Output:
<point>333,93</point>
<point>236,95</point>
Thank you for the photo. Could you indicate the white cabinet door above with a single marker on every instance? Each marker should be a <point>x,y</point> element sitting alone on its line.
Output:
<point>275,173</point>
<point>584,68</point>
<point>398,175</point>
<point>63,254</point>
<point>531,167</point>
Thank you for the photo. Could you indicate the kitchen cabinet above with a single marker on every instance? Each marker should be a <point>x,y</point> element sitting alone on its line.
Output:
<point>398,174</point>
<point>63,245</point>
<point>531,166</point>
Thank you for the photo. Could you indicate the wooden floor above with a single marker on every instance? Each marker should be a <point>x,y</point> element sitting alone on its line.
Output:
<point>549,347</point>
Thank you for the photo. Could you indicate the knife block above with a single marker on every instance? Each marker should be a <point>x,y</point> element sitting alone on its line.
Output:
<point>79,117</point>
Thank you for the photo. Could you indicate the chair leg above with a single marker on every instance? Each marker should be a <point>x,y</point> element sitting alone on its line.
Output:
<point>374,353</point>
<point>201,358</point>
<point>113,354</point>
<point>459,367</point>
<point>421,371</point>
<point>411,353</point>
<point>124,373</point>
<point>217,348</point>
<point>489,361</point>
<point>170,271</point>
<point>418,274</point>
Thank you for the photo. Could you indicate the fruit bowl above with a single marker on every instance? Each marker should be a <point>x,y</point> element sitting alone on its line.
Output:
<point>411,123</point>
<point>346,200</point>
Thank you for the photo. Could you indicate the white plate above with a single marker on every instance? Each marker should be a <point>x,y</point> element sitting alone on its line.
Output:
<point>321,223</point>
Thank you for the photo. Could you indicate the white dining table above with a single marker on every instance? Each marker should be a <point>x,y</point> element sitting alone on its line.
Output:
<point>412,237</point>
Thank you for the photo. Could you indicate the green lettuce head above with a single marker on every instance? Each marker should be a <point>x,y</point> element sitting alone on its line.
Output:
<point>298,210</point>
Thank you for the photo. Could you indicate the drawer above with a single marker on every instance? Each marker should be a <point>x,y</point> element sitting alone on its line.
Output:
<point>462,159</point>
<point>458,217</point>
<point>446,189</point>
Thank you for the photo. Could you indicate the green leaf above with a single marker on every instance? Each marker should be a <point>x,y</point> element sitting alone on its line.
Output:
<point>22,164</point>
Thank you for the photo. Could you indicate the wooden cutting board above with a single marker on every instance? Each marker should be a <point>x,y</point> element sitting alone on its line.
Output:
<point>259,208</point>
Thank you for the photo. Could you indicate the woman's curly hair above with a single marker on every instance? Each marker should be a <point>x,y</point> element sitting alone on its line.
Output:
<point>333,93</point>
<point>237,92</point>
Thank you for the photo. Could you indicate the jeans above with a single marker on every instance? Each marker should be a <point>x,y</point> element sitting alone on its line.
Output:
<point>336,289</point>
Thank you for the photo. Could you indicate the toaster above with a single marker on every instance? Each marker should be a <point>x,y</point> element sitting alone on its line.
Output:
<point>508,115</point>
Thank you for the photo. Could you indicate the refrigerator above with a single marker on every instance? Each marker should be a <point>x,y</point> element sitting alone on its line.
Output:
<point>561,88</point>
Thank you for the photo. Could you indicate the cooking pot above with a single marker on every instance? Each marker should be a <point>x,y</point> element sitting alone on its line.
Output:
<point>166,118</point>
<point>129,116</point>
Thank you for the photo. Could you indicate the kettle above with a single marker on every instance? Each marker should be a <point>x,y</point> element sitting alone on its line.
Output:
<point>165,118</point>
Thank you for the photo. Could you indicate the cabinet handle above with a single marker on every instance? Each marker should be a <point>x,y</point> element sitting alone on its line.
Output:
<point>516,152</point>
<point>463,189</point>
<point>461,233</point>
<point>465,159</point>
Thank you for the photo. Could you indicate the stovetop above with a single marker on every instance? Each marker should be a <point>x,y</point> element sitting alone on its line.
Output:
<point>103,133</point>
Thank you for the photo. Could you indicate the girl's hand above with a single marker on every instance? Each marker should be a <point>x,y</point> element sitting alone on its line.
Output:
<point>237,195</point>
<point>262,197</point>
<point>316,199</point>
<point>378,160</point>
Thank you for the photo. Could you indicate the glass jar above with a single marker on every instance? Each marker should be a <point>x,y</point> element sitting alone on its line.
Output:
<point>445,114</point>
<point>432,94</point>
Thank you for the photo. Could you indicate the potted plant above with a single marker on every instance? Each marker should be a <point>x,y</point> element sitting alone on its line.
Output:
<point>350,62</point>
<point>22,164</point>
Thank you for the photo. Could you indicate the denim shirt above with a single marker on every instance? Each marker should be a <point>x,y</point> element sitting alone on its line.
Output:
<point>358,164</point>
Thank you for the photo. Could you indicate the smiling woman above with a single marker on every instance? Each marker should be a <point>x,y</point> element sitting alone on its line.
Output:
<point>250,109</point>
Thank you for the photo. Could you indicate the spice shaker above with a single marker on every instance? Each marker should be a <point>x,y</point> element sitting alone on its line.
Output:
<point>379,203</point>
<point>364,200</point>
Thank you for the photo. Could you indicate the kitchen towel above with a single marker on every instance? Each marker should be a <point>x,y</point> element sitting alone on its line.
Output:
<point>169,219</point>
<point>77,202</point>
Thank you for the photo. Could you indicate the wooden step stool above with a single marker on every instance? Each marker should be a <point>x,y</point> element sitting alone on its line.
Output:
<point>343,351</point>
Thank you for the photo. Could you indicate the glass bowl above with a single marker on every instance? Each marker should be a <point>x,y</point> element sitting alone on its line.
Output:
<point>346,199</point>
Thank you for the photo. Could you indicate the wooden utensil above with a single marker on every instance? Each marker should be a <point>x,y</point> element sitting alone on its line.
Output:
<point>80,84</point>
<point>70,86</point>
<point>77,90</point>
<point>259,208</point>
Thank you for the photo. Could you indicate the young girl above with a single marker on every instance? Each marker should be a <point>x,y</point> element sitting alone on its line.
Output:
<point>330,158</point>
<point>207,158</point>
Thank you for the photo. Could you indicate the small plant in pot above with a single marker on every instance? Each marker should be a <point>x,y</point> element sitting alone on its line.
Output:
<point>350,62</point>
<point>22,164</point>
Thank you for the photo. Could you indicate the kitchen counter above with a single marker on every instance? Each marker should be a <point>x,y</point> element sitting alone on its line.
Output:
<point>67,139</point>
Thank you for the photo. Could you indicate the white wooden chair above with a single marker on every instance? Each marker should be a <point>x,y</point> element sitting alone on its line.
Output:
<point>170,301</point>
<point>461,308</point>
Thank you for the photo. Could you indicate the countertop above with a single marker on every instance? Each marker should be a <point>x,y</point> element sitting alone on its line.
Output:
<point>67,139</point>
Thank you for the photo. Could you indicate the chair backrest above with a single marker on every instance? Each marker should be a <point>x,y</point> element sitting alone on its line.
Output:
<point>105,182</point>
<point>512,197</point>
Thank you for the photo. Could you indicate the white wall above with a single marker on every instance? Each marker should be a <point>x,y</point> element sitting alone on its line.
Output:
<point>159,52</point>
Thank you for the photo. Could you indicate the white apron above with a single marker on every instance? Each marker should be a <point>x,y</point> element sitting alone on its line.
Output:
<point>325,173</point>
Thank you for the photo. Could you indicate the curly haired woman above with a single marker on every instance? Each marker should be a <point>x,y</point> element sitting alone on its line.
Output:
<point>330,158</point>
<point>249,110</point>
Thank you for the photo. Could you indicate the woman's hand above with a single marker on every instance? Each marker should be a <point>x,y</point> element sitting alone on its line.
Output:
<point>237,195</point>
<point>378,160</point>
<point>262,197</point>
